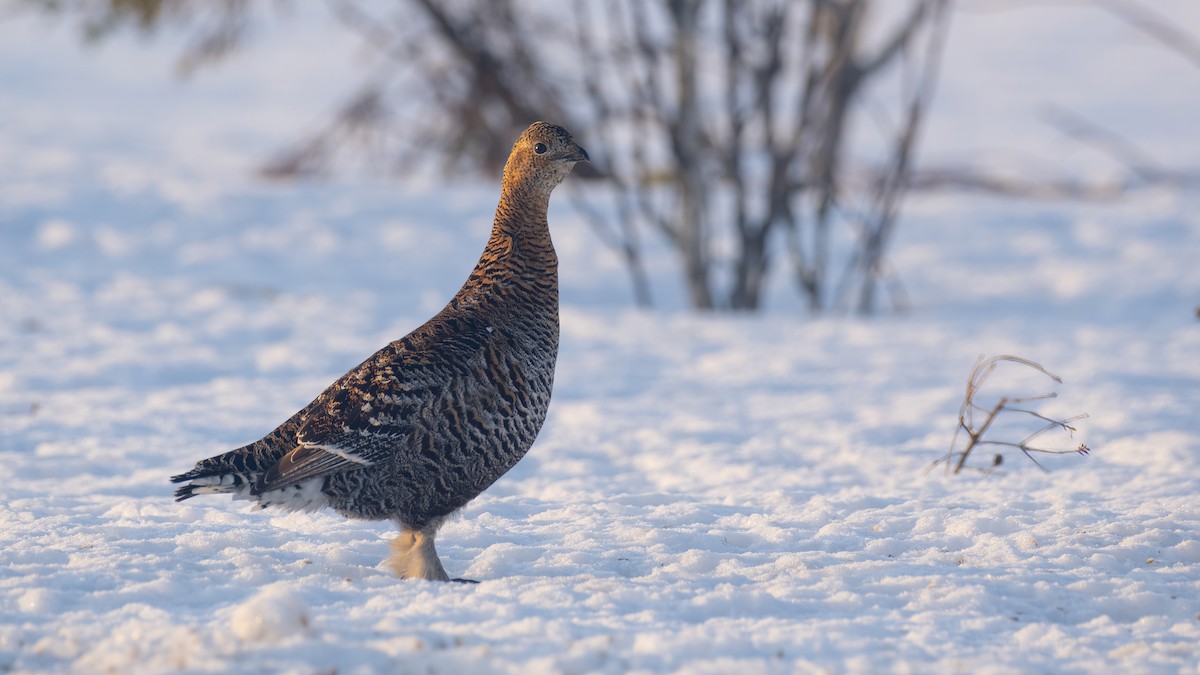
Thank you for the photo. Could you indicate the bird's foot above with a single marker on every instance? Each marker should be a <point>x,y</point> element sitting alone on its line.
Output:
<point>414,557</point>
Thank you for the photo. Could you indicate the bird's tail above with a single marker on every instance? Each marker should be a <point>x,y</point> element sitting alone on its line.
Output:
<point>232,472</point>
<point>208,481</point>
<point>236,472</point>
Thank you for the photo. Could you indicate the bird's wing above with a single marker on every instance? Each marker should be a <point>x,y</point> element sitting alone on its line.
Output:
<point>307,461</point>
<point>371,412</point>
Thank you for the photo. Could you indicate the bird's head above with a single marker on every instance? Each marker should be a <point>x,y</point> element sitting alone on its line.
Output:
<point>541,158</point>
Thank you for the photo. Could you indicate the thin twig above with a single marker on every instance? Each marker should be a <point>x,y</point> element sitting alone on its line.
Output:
<point>956,460</point>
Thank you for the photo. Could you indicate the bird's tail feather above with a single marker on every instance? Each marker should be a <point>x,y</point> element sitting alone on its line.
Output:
<point>230,472</point>
<point>202,482</point>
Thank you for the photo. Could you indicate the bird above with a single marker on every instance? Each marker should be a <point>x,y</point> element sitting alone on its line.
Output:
<point>431,420</point>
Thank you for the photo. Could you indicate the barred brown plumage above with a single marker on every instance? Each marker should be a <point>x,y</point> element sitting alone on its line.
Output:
<point>431,420</point>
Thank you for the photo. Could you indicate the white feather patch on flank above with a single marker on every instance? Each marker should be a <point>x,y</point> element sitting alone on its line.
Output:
<point>303,496</point>
<point>228,482</point>
<point>223,479</point>
<point>348,456</point>
<point>212,490</point>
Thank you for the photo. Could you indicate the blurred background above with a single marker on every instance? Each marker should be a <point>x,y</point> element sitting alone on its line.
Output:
<point>745,154</point>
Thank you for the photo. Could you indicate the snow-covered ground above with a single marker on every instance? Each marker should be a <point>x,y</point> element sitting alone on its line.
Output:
<point>709,495</point>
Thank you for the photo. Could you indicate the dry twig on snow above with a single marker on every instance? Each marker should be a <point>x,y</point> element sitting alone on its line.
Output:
<point>975,429</point>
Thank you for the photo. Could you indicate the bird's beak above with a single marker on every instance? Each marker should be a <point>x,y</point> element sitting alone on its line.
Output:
<point>580,155</point>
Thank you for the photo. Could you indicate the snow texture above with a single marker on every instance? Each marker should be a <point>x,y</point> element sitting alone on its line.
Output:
<point>709,495</point>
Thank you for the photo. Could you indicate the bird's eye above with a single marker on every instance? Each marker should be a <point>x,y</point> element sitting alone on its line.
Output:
<point>540,148</point>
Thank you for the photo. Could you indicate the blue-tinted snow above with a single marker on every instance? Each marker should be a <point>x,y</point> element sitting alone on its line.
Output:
<point>709,495</point>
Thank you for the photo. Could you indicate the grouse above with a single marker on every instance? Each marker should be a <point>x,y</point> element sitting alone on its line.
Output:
<point>431,420</point>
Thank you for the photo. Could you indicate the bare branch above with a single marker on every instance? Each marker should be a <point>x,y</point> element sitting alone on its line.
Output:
<point>1161,28</point>
<point>1116,146</point>
<point>930,179</point>
<point>898,41</point>
<point>716,120</point>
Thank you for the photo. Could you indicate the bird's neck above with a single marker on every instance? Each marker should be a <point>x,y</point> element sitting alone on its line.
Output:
<point>521,209</point>
<point>519,259</point>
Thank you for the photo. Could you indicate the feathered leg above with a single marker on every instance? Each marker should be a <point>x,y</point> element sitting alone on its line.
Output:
<point>414,557</point>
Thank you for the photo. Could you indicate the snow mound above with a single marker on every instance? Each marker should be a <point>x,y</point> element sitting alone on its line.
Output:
<point>273,615</point>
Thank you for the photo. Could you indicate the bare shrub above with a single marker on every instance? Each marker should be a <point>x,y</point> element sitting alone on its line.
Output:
<point>722,127</point>
<point>750,136</point>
